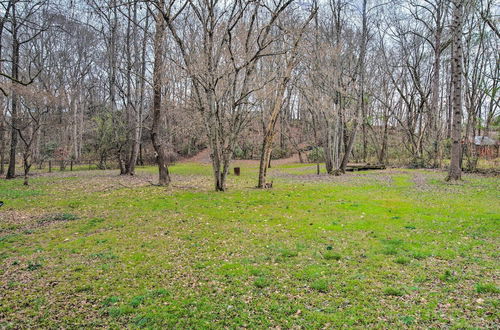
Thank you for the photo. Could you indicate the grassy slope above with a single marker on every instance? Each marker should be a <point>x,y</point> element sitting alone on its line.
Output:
<point>379,248</point>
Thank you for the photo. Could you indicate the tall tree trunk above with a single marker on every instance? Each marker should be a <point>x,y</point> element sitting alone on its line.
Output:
<point>277,105</point>
<point>455,170</point>
<point>2,143</point>
<point>27,165</point>
<point>265,158</point>
<point>364,37</point>
<point>11,172</point>
<point>270,130</point>
<point>360,110</point>
<point>138,114</point>
<point>156,137</point>
<point>218,153</point>
<point>2,117</point>
<point>332,157</point>
<point>383,149</point>
<point>435,90</point>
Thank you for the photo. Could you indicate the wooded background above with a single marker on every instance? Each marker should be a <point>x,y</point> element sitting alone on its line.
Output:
<point>407,83</point>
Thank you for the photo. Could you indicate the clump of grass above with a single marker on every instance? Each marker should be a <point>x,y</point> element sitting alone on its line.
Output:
<point>392,242</point>
<point>261,282</point>
<point>95,221</point>
<point>402,260</point>
<point>288,253</point>
<point>231,269</point>
<point>120,311</point>
<point>142,321</point>
<point>256,271</point>
<point>311,272</point>
<point>136,301</point>
<point>58,217</point>
<point>84,288</point>
<point>390,251</point>
<point>103,255</point>
<point>419,255</point>
<point>159,293</point>
<point>33,266</point>
<point>110,301</point>
<point>330,255</point>
<point>448,276</point>
<point>407,320</point>
<point>487,288</point>
<point>420,279</point>
<point>393,292</point>
<point>9,238</point>
<point>320,285</point>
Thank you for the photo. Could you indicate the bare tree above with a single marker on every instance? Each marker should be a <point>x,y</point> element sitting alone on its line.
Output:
<point>279,99</point>
<point>35,105</point>
<point>455,170</point>
<point>158,113</point>
<point>220,55</point>
<point>22,31</point>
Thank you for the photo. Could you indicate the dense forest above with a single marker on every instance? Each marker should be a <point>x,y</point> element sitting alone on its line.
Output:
<point>124,83</point>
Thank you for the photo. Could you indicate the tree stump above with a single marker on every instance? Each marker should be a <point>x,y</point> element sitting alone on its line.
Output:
<point>237,171</point>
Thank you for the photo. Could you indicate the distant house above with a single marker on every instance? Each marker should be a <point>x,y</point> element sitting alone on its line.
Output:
<point>486,147</point>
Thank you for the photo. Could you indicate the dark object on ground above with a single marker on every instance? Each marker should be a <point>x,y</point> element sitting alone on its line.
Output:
<point>237,171</point>
<point>352,168</point>
<point>1,203</point>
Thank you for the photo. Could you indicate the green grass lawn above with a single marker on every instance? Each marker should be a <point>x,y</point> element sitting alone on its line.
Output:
<point>393,248</point>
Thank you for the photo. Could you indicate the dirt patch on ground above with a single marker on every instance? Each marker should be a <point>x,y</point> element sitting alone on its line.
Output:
<point>203,157</point>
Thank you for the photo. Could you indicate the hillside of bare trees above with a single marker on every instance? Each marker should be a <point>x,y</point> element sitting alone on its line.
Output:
<point>411,83</point>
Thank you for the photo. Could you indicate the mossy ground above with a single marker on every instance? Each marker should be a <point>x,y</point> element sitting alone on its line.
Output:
<point>393,248</point>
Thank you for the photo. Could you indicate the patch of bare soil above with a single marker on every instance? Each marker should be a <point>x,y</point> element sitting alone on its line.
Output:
<point>201,157</point>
